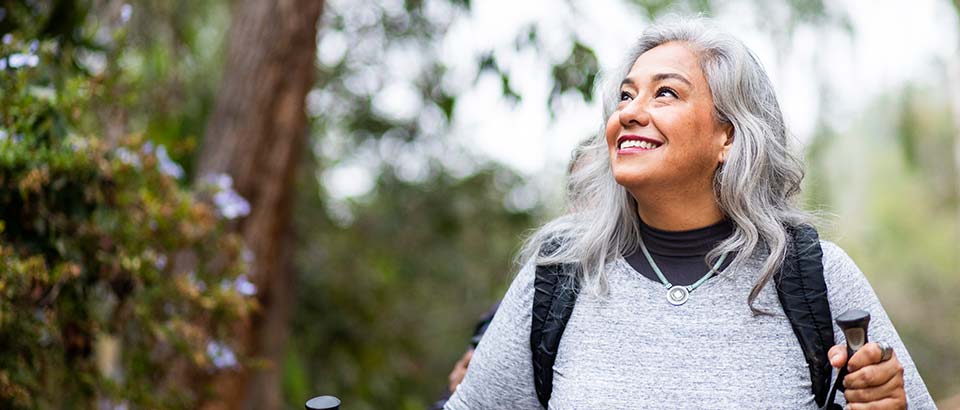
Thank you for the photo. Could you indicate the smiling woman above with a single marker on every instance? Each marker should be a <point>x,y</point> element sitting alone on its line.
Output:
<point>665,140</point>
<point>689,188</point>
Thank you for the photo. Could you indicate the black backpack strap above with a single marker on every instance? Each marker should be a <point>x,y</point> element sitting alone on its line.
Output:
<point>803,294</point>
<point>555,292</point>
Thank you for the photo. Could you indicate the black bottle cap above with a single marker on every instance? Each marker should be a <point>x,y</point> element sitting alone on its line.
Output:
<point>323,403</point>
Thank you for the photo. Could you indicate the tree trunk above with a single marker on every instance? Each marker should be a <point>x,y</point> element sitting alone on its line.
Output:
<point>256,134</point>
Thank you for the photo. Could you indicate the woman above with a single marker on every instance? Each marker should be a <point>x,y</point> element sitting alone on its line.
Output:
<point>691,176</point>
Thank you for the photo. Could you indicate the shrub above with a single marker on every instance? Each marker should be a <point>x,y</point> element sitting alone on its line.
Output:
<point>118,284</point>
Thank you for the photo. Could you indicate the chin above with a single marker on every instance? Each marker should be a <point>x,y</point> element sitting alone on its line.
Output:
<point>630,178</point>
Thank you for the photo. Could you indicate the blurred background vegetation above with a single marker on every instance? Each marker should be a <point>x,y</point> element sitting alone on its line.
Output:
<point>200,209</point>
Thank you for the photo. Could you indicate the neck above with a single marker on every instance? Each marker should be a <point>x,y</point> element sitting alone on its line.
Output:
<point>678,212</point>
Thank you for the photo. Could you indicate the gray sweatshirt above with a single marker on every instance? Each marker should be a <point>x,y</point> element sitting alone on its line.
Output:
<point>632,349</point>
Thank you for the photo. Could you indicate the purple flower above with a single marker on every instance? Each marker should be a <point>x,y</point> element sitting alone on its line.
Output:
<point>221,181</point>
<point>231,204</point>
<point>127,157</point>
<point>221,355</point>
<point>228,202</point>
<point>107,404</point>
<point>167,166</point>
<point>241,284</point>
<point>126,11</point>
<point>17,60</point>
<point>244,286</point>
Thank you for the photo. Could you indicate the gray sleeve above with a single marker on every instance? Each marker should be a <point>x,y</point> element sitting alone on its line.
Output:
<point>500,374</point>
<point>848,288</point>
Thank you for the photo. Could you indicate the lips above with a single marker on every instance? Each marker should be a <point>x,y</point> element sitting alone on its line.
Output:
<point>636,143</point>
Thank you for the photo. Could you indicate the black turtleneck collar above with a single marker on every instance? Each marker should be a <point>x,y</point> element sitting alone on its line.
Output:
<point>695,242</point>
<point>679,254</point>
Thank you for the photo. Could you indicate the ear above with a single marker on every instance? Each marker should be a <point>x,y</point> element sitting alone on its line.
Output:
<point>727,131</point>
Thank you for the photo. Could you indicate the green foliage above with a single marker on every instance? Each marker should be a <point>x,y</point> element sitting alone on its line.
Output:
<point>117,285</point>
<point>93,306</point>
<point>389,295</point>
<point>578,72</point>
<point>658,8</point>
<point>893,183</point>
<point>168,58</point>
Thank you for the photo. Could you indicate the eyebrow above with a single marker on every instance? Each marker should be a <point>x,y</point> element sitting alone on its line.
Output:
<point>659,77</point>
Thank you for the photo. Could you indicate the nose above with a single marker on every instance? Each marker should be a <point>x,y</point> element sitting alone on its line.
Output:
<point>634,115</point>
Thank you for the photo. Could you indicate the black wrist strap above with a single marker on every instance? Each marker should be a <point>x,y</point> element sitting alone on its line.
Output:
<point>837,385</point>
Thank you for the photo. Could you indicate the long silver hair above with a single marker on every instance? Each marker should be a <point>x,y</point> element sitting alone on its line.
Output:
<point>755,187</point>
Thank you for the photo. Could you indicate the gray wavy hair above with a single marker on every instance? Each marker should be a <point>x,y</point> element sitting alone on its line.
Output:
<point>755,187</point>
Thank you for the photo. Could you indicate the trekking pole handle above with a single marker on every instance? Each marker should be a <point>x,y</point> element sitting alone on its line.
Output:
<point>854,324</point>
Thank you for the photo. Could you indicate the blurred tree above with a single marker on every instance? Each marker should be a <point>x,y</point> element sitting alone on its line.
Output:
<point>953,79</point>
<point>889,181</point>
<point>255,134</point>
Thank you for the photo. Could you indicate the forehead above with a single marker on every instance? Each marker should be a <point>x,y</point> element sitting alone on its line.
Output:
<point>671,57</point>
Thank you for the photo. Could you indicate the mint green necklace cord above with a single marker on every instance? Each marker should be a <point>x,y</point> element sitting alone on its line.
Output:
<point>678,295</point>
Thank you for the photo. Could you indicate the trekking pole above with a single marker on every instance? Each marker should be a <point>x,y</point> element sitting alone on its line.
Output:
<point>323,403</point>
<point>854,324</point>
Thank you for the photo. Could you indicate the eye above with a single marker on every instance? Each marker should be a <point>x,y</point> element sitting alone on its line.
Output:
<point>624,96</point>
<point>666,92</point>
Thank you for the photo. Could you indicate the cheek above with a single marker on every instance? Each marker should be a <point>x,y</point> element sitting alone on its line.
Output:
<point>685,132</point>
<point>612,129</point>
<point>677,125</point>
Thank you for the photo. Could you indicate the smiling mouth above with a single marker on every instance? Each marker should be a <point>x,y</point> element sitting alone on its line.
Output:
<point>635,142</point>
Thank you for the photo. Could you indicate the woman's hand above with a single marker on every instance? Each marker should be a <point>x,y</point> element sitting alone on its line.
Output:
<point>872,383</point>
<point>460,370</point>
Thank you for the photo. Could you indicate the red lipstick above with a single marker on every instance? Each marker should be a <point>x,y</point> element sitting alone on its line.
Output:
<point>636,144</point>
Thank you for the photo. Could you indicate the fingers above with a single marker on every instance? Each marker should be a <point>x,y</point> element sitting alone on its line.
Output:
<point>890,389</point>
<point>867,355</point>
<point>466,358</point>
<point>456,377</point>
<point>837,355</point>
<point>459,370</point>
<point>874,375</point>
<point>889,403</point>
<point>875,385</point>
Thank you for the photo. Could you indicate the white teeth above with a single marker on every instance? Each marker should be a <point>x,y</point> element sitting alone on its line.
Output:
<point>637,143</point>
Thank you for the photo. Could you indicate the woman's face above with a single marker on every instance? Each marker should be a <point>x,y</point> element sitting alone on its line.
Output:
<point>663,134</point>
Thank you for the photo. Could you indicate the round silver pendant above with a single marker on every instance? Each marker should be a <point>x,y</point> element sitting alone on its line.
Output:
<point>677,295</point>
